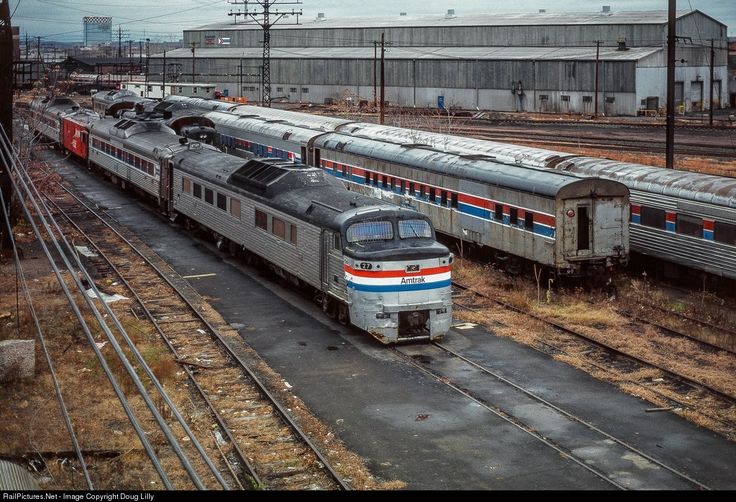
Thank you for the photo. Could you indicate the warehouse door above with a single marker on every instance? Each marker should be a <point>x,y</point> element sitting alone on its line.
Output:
<point>696,96</point>
<point>679,94</point>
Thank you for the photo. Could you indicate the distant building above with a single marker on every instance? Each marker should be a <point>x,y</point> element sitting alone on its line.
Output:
<point>525,62</point>
<point>97,30</point>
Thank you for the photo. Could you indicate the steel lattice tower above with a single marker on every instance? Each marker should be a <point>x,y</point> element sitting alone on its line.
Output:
<point>265,18</point>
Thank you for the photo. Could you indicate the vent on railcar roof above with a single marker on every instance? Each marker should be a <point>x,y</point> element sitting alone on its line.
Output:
<point>257,174</point>
<point>478,156</point>
<point>124,124</point>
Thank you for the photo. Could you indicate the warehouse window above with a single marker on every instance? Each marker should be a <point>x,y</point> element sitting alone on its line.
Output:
<point>186,185</point>
<point>198,190</point>
<point>724,232</point>
<point>611,99</point>
<point>689,225</point>
<point>305,90</point>
<point>279,89</point>
<point>209,196</point>
<point>651,217</point>
<point>261,220</point>
<point>543,97</point>
<point>292,235</point>
<point>513,216</point>
<point>235,208</point>
<point>564,98</point>
<point>528,220</point>
<point>293,89</point>
<point>587,99</point>
<point>278,228</point>
<point>221,202</point>
<point>498,213</point>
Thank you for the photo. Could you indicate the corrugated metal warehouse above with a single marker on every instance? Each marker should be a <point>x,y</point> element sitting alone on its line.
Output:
<point>505,62</point>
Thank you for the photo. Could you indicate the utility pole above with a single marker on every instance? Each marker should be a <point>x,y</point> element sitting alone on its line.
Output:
<point>6,115</point>
<point>194,45</point>
<point>120,42</point>
<point>375,78</point>
<point>266,18</point>
<point>148,56</point>
<point>163,78</point>
<point>597,56</point>
<point>240,79</point>
<point>383,79</point>
<point>130,60</point>
<point>671,34</point>
<point>712,69</point>
<point>140,56</point>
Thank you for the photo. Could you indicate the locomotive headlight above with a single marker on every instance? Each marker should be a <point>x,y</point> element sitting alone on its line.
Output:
<point>570,213</point>
<point>441,311</point>
<point>383,315</point>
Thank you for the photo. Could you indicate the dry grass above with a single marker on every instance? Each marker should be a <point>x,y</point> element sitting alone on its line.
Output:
<point>599,320</point>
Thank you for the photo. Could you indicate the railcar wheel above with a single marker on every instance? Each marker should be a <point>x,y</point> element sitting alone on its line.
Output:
<point>328,307</point>
<point>233,249</point>
<point>343,314</point>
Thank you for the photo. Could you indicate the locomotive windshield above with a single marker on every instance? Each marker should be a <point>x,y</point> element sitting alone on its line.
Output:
<point>412,229</point>
<point>370,231</point>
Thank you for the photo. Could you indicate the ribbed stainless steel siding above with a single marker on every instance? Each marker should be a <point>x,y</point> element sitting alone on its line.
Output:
<point>15,477</point>
<point>302,261</point>
<point>123,171</point>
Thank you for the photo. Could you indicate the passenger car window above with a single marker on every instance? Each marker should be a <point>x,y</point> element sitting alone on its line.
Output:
<point>652,217</point>
<point>689,225</point>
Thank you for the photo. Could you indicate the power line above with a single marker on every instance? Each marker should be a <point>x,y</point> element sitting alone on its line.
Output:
<point>263,17</point>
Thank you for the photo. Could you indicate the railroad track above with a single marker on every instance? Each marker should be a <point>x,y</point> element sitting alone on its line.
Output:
<point>266,448</point>
<point>678,391</point>
<point>574,139</point>
<point>564,431</point>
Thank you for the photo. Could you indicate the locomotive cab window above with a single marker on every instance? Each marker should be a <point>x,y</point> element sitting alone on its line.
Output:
<point>652,217</point>
<point>414,229</point>
<point>689,225</point>
<point>369,231</point>
<point>724,232</point>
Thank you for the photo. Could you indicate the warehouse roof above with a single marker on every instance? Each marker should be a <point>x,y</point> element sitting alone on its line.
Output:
<point>458,53</point>
<point>496,19</point>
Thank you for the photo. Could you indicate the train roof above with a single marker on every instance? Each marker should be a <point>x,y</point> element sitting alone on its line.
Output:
<point>479,168</point>
<point>306,120</point>
<point>114,96</point>
<point>200,103</point>
<point>59,104</point>
<point>504,152</point>
<point>263,125</point>
<point>688,185</point>
<point>307,193</point>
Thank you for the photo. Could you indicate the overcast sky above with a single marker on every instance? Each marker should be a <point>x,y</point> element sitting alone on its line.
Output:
<point>165,19</point>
